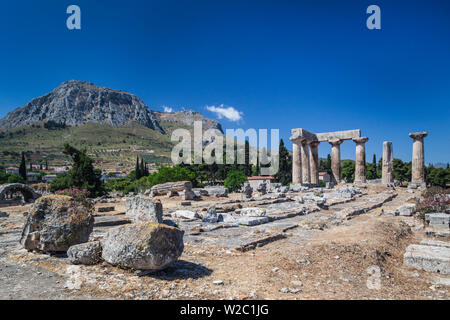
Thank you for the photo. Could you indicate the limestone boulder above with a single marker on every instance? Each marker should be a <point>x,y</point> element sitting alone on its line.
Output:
<point>143,246</point>
<point>144,209</point>
<point>55,223</point>
<point>211,216</point>
<point>88,253</point>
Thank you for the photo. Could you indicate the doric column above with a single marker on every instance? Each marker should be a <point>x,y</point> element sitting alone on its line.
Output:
<point>296,163</point>
<point>418,158</point>
<point>388,167</point>
<point>314,162</point>
<point>336,159</point>
<point>304,148</point>
<point>360,160</point>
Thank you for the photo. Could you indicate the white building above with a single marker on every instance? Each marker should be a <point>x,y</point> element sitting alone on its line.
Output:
<point>325,177</point>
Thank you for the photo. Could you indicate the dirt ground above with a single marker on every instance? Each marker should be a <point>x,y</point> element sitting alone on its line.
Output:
<point>358,258</point>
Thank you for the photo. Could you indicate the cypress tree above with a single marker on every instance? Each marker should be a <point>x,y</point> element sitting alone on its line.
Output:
<point>284,174</point>
<point>138,169</point>
<point>23,168</point>
<point>329,164</point>
<point>142,168</point>
<point>248,165</point>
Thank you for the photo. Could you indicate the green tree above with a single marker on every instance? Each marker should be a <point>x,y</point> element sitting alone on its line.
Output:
<point>82,175</point>
<point>284,174</point>
<point>247,167</point>
<point>348,170</point>
<point>23,168</point>
<point>170,174</point>
<point>371,171</point>
<point>437,176</point>
<point>137,169</point>
<point>402,170</point>
<point>235,180</point>
<point>329,171</point>
<point>15,178</point>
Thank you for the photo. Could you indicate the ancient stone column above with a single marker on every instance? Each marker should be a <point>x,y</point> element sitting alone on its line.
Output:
<point>360,160</point>
<point>296,163</point>
<point>304,148</point>
<point>388,168</point>
<point>418,159</point>
<point>314,162</point>
<point>336,159</point>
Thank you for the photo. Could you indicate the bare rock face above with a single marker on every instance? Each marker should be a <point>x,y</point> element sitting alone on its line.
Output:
<point>55,223</point>
<point>188,117</point>
<point>77,102</point>
<point>143,246</point>
<point>143,209</point>
<point>89,253</point>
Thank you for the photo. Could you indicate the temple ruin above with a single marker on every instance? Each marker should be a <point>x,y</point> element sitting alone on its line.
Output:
<point>305,160</point>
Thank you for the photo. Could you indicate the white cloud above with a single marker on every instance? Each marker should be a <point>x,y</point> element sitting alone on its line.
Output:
<point>227,112</point>
<point>168,109</point>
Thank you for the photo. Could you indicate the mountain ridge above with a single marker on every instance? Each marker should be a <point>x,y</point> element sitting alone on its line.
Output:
<point>77,102</point>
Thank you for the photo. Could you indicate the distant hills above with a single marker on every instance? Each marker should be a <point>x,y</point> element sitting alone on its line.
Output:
<point>114,125</point>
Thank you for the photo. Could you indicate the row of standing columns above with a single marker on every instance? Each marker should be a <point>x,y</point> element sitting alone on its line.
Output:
<point>305,166</point>
<point>305,161</point>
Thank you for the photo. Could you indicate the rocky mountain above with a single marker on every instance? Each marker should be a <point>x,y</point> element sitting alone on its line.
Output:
<point>188,117</point>
<point>77,102</point>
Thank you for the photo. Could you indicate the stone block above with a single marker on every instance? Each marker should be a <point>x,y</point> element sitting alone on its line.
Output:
<point>438,220</point>
<point>406,210</point>
<point>105,209</point>
<point>144,209</point>
<point>252,221</point>
<point>428,258</point>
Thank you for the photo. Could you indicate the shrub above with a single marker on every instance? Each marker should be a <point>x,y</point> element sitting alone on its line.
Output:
<point>80,196</point>
<point>234,181</point>
<point>435,199</point>
<point>170,174</point>
<point>15,178</point>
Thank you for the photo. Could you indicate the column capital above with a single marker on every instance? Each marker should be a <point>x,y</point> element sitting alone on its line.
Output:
<point>360,140</point>
<point>303,141</point>
<point>335,142</point>
<point>314,143</point>
<point>418,135</point>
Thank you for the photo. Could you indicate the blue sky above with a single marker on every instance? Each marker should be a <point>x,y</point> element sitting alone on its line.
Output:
<point>282,64</point>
